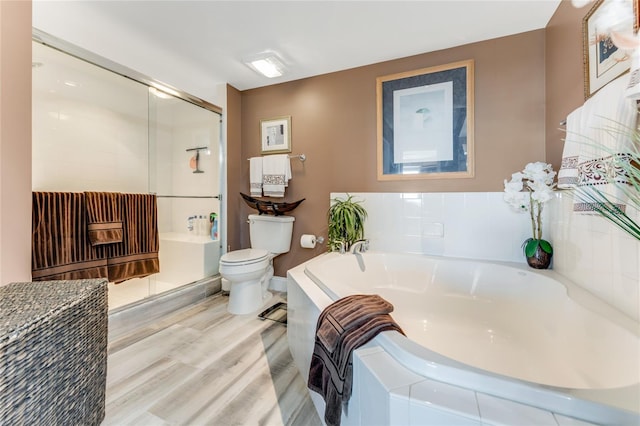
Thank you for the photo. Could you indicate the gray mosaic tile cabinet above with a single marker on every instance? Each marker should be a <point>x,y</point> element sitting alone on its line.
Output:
<point>53,352</point>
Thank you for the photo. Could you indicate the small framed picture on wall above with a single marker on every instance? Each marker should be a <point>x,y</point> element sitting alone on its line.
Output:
<point>275,135</point>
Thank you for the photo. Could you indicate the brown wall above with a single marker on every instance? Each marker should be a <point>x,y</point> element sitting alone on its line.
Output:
<point>235,183</point>
<point>524,86</point>
<point>564,74</point>
<point>334,124</point>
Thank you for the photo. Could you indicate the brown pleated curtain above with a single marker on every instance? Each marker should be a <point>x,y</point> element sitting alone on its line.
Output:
<point>123,243</point>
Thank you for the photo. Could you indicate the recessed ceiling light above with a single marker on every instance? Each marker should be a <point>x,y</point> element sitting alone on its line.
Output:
<point>267,63</point>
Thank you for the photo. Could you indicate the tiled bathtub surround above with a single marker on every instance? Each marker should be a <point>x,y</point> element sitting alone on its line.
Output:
<point>480,225</point>
<point>596,255</point>
<point>389,388</point>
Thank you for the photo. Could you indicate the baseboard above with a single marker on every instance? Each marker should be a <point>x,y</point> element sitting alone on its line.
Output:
<point>124,319</point>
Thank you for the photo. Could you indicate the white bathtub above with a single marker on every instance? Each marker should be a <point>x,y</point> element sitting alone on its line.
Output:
<point>187,258</point>
<point>500,330</point>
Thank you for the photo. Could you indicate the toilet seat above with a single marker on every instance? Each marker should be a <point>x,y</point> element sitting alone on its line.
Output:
<point>244,257</point>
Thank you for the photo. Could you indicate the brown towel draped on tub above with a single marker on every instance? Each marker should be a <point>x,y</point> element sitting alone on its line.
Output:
<point>104,217</point>
<point>62,248</point>
<point>342,327</point>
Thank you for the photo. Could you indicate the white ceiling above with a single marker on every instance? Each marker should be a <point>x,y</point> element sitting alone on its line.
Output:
<point>197,45</point>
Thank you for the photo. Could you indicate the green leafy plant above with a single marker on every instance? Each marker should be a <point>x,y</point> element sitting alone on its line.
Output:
<point>531,245</point>
<point>346,222</point>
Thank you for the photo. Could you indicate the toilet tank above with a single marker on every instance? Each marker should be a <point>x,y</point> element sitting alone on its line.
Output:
<point>272,233</point>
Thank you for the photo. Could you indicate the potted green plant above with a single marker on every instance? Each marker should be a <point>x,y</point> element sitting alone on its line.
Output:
<point>346,223</point>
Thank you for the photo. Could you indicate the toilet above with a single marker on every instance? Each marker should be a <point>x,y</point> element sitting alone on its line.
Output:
<point>247,272</point>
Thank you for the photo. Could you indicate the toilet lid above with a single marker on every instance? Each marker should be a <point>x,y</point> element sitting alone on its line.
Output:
<point>245,256</point>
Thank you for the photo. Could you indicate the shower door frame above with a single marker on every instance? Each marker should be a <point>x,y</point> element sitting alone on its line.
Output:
<point>70,49</point>
<point>99,61</point>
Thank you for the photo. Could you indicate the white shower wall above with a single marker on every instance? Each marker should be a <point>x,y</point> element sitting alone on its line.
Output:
<point>178,127</point>
<point>480,225</point>
<point>78,145</point>
<point>94,130</point>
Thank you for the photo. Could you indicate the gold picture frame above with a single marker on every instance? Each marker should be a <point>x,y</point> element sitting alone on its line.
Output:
<point>275,135</point>
<point>426,123</point>
<point>603,61</point>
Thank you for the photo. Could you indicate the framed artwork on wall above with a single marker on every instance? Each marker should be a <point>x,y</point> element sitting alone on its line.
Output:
<point>275,135</point>
<point>603,61</point>
<point>425,123</point>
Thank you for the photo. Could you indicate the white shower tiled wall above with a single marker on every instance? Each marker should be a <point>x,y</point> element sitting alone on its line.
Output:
<point>94,130</point>
<point>477,225</point>
<point>595,254</point>
<point>90,129</point>
<point>480,225</point>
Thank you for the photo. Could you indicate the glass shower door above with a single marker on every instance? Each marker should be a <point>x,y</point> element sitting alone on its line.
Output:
<point>185,173</point>
<point>97,130</point>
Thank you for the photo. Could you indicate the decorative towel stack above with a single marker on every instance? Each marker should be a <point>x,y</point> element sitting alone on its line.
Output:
<point>597,137</point>
<point>270,174</point>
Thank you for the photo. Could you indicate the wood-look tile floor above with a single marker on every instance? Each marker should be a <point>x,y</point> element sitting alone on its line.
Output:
<point>203,366</point>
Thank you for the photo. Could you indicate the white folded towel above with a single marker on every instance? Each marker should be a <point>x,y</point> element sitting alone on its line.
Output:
<point>607,121</point>
<point>255,176</point>
<point>276,172</point>
<point>568,173</point>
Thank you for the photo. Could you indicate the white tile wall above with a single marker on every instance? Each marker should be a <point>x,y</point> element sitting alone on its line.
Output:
<point>473,225</point>
<point>447,398</point>
<point>596,255</point>
<point>587,249</point>
<point>89,127</point>
<point>388,393</point>
<point>500,411</point>
<point>568,421</point>
<point>95,130</point>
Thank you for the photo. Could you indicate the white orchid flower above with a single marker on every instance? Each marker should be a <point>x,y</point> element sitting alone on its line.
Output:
<point>528,190</point>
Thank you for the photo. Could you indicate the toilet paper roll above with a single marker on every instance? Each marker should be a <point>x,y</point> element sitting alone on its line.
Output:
<point>308,241</point>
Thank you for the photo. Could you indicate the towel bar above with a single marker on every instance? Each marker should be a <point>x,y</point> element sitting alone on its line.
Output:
<point>301,157</point>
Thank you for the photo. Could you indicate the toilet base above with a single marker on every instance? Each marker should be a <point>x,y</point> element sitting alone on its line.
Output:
<point>246,297</point>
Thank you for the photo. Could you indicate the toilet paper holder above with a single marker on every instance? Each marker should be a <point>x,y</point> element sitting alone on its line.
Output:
<point>310,241</point>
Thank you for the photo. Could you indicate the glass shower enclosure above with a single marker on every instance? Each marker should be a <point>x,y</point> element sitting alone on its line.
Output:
<point>98,130</point>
